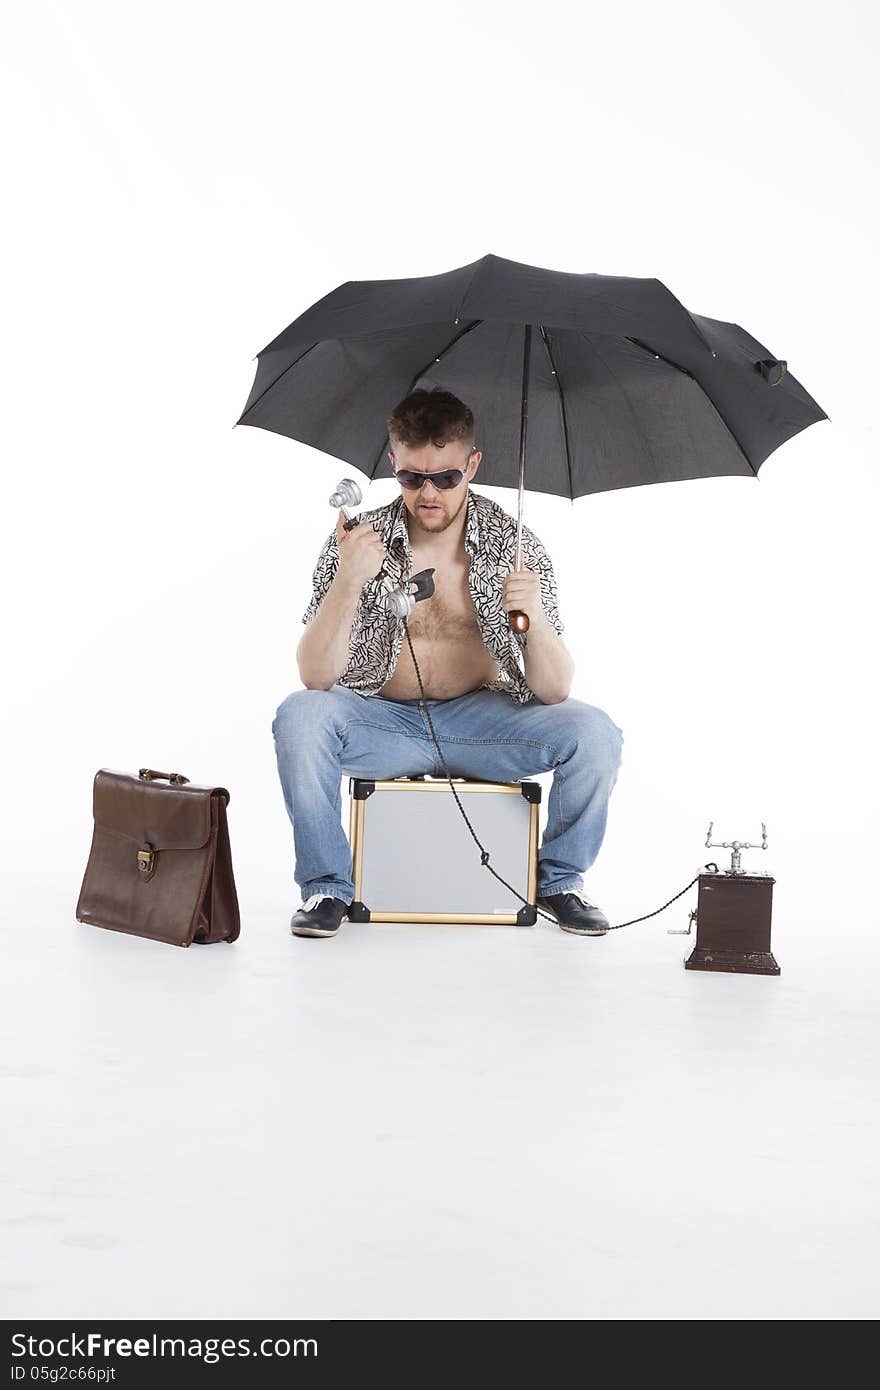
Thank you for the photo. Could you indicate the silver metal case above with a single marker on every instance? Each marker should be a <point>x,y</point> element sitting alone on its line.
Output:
<point>414,859</point>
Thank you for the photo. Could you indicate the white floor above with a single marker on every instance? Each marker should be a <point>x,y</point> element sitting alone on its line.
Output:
<point>442,1122</point>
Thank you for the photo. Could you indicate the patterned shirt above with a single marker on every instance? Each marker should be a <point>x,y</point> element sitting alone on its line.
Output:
<point>490,541</point>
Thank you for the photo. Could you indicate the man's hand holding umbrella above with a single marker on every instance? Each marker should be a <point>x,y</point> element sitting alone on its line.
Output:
<point>548,662</point>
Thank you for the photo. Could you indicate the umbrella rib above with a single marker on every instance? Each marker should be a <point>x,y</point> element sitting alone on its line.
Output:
<point>451,344</point>
<point>276,381</point>
<point>562,408</point>
<point>646,347</point>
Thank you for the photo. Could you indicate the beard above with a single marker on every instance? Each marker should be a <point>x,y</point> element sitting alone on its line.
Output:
<point>432,523</point>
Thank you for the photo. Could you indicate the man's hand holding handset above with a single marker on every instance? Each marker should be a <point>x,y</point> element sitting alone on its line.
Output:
<point>361,551</point>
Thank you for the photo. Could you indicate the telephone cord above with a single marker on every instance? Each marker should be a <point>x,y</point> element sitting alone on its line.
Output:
<point>484,853</point>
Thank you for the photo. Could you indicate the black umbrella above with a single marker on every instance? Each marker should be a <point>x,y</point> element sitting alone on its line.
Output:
<point>614,381</point>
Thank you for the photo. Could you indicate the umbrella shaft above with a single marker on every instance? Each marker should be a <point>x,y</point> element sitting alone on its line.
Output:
<point>523,430</point>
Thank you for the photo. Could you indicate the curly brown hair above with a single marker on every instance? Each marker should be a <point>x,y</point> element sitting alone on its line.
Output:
<point>436,417</point>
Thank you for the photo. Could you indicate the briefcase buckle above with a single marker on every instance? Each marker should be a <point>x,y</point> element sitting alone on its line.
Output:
<point>146,860</point>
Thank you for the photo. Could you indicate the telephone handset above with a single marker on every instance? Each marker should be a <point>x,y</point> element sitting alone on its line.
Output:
<point>399,601</point>
<point>347,494</point>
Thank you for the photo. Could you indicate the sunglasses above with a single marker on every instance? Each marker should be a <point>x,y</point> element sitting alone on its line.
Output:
<point>444,480</point>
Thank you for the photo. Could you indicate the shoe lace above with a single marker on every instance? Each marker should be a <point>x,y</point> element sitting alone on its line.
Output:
<point>580,896</point>
<point>313,901</point>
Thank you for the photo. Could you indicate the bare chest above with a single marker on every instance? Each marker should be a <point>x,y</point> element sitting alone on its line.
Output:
<point>449,614</point>
<point>445,634</point>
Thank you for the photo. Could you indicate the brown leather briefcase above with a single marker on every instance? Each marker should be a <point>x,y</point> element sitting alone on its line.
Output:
<point>160,864</point>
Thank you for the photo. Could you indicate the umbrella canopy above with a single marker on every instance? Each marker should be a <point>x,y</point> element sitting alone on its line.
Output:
<point>624,386</point>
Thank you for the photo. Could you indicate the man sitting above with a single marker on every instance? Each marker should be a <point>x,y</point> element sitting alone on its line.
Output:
<point>360,713</point>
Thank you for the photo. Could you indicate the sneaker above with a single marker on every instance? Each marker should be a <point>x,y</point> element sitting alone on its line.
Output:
<point>319,915</point>
<point>576,913</point>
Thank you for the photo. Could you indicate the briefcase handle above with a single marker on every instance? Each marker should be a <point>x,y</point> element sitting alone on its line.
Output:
<point>149,774</point>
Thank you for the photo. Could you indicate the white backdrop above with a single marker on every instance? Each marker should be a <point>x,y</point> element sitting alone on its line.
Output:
<point>183,180</point>
<point>178,203</point>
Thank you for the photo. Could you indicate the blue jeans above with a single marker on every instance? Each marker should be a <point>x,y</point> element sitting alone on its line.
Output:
<point>323,735</point>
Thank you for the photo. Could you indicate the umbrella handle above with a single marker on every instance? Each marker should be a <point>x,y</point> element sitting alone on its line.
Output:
<point>517,620</point>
